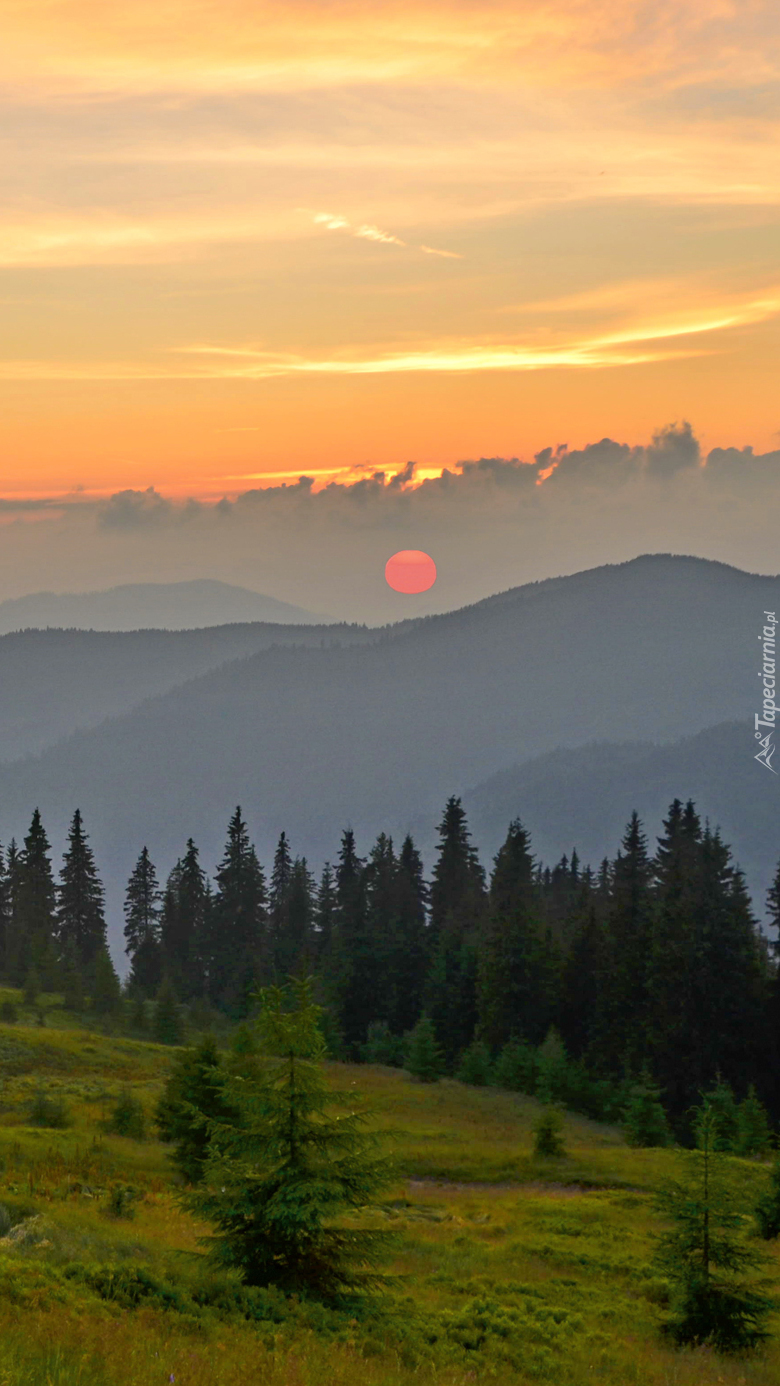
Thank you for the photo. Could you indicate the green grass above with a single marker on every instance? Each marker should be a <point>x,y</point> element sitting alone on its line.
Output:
<point>510,1268</point>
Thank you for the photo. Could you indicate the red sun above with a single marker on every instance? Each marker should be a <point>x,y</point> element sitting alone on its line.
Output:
<point>410,571</point>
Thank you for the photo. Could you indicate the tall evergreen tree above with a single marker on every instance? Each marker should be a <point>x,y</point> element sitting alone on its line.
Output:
<point>581,980</point>
<point>278,912</point>
<point>182,922</point>
<point>15,954</point>
<point>620,1022</point>
<point>410,944</point>
<point>36,906</point>
<point>516,980</point>
<point>458,900</point>
<point>80,898</point>
<point>106,990</point>
<point>4,921</point>
<point>142,926</point>
<point>351,974</point>
<point>239,922</point>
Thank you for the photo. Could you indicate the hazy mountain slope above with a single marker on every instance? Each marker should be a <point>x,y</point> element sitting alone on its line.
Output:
<point>583,798</point>
<point>149,606</point>
<point>379,734</point>
<point>53,682</point>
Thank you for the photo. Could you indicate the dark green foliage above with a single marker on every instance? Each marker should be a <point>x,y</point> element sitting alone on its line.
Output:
<point>72,978</point>
<point>644,1119</point>
<point>424,1058</point>
<point>167,1024</point>
<point>138,1018</point>
<point>753,1133</point>
<point>273,1184</point>
<point>626,900</point>
<point>32,987</point>
<point>382,1047</point>
<point>243,1040</point>
<point>195,1084</point>
<point>475,1065</point>
<point>183,923</point>
<point>351,972</point>
<point>80,898</point>
<point>703,1254</point>
<point>515,1067</point>
<point>106,989</point>
<point>48,1111</point>
<point>768,1207</point>
<point>584,966</point>
<point>40,1017</point>
<point>548,1133</point>
<point>8,1013</point>
<point>127,1117</point>
<point>34,906</point>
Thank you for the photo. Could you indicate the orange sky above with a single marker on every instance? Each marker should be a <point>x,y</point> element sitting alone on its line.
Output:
<point>243,240</point>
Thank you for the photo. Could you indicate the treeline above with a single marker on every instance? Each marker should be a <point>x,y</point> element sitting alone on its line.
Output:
<point>652,965</point>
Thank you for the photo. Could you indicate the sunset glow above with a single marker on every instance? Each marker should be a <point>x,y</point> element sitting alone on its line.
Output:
<point>252,241</point>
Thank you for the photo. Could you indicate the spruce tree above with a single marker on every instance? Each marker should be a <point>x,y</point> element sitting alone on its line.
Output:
<point>644,1119</point>
<point>410,944</point>
<point>35,906</point>
<point>619,1031</point>
<point>196,1080</point>
<point>351,976</point>
<point>458,902</point>
<point>4,921</point>
<point>720,1100</point>
<point>552,1068</point>
<point>142,926</point>
<point>106,990</point>
<point>182,922</point>
<point>239,921</point>
<point>423,1053</point>
<point>72,978</point>
<point>548,1133</point>
<point>582,974</point>
<point>167,1025</point>
<point>517,982</point>
<point>515,1067</point>
<point>273,1185</point>
<point>703,1254</point>
<point>280,961</point>
<point>768,1207</point>
<point>14,949</point>
<point>476,1066</point>
<point>753,1133</point>
<point>80,898</point>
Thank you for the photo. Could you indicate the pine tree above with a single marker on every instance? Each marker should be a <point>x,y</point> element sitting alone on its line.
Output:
<point>14,940</point>
<point>142,926</point>
<point>196,1078</point>
<point>325,913</point>
<point>72,978</point>
<point>35,906</point>
<point>167,1026</point>
<point>238,923</point>
<point>644,1119</point>
<point>351,974</point>
<point>424,1058</point>
<point>106,990</point>
<point>458,903</point>
<point>720,1100</point>
<point>4,920</point>
<point>273,1185</point>
<point>80,898</point>
<point>409,945</point>
<point>552,1068</point>
<point>548,1133</point>
<point>516,986</point>
<point>583,970</point>
<point>515,1067</point>
<point>702,1253</point>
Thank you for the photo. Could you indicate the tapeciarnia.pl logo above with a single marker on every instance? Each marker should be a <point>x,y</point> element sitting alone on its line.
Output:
<point>766,718</point>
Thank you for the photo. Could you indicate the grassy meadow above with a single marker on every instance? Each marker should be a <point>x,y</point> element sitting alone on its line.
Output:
<point>509,1268</point>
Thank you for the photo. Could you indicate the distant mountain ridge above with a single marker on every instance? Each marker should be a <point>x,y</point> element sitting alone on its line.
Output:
<point>319,727</point>
<point>190,605</point>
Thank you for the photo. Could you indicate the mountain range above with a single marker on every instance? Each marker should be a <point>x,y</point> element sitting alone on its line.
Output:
<point>149,606</point>
<point>567,702</point>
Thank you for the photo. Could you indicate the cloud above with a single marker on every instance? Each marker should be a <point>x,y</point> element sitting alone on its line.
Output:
<point>368,232</point>
<point>132,509</point>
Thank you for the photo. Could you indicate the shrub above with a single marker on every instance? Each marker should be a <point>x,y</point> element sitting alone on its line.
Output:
<point>381,1046</point>
<point>48,1111</point>
<point>768,1207</point>
<point>475,1065</point>
<point>128,1117</point>
<point>120,1201</point>
<point>548,1133</point>
<point>8,1013</point>
<point>515,1067</point>
<point>424,1058</point>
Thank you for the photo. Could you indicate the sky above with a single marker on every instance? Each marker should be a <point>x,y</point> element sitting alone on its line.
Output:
<point>245,240</point>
